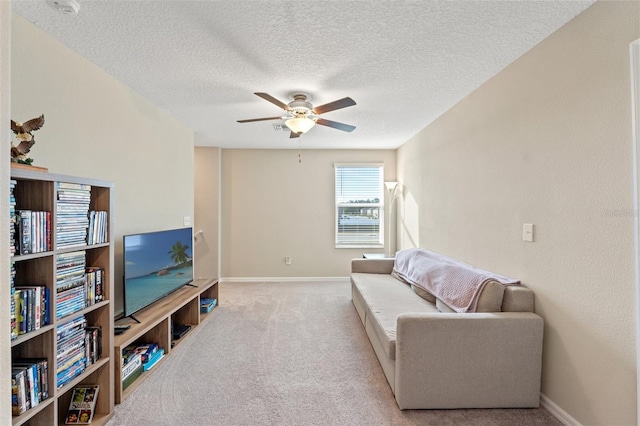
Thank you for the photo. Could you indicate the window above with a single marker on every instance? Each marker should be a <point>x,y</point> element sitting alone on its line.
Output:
<point>359,205</point>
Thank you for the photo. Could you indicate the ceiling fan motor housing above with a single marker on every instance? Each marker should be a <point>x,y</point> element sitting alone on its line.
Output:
<point>299,106</point>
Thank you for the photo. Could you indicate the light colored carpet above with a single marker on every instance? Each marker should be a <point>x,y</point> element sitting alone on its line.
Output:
<point>285,354</point>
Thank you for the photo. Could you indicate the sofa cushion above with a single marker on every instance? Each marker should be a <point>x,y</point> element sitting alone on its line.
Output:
<point>386,298</point>
<point>517,299</point>
<point>443,307</point>
<point>423,293</point>
<point>490,299</point>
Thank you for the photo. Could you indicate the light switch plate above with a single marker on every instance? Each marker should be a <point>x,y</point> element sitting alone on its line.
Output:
<point>527,232</point>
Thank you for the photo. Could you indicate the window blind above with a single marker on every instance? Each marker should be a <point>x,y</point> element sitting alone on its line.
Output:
<point>359,205</point>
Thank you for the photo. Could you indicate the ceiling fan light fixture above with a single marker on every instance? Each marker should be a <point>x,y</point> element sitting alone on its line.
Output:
<point>300,124</point>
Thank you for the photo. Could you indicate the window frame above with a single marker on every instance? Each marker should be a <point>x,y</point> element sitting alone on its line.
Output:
<point>380,205</point>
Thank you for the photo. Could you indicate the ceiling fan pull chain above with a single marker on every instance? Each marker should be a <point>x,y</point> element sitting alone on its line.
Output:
<point>299,151</point>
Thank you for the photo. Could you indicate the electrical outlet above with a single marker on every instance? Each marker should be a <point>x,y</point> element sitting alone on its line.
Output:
<point>287,260</point>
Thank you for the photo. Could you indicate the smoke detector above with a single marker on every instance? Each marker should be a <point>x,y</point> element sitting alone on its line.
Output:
<point>68,7</point>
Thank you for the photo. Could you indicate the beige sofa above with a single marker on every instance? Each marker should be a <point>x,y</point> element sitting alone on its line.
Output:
<point>438,360</point>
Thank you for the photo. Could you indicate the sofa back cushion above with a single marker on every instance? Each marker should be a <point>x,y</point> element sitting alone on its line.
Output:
<point>490,299</point>
<point>517,299</point>
<point>423,293</point>
<point>498,298</point>
<point>372,266</point>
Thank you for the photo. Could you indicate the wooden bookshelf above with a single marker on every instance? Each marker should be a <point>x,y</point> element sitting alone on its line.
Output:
<point>154,326</point>
<point>36,190</point>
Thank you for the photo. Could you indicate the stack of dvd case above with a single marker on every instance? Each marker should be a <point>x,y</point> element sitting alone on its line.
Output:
<point>12,218</point>
<point>70,283</point>
<point>72,214</point>
<point>71,354</point>
<point>14,318</point>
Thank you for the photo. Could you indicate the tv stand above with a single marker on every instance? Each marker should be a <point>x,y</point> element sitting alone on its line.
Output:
<point>154,325</point>
<point>134,318</point>
<point>191,285</point>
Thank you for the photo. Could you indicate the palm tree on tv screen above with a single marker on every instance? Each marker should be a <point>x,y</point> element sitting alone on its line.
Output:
<point>178,253</point>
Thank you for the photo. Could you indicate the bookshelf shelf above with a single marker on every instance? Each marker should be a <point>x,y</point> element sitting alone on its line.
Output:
<point>29,414</point>
<point>39,191</point>
<point>182,306</point>
<point>31,335</point>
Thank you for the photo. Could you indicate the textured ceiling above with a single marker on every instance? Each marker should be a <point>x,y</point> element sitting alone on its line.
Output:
<point>403,62</point>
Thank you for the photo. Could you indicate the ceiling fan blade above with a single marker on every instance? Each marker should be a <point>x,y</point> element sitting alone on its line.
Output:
<point>268,97</point>
<point>259,119</point>
<point>294,135</point>
<point>335,125</point>
<point>331,106</point>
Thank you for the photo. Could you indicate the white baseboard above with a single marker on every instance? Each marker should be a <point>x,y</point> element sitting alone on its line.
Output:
<point>280,279</point>
<point>558,412</point>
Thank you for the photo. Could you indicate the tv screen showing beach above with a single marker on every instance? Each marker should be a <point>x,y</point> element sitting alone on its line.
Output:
<point>155,264</point>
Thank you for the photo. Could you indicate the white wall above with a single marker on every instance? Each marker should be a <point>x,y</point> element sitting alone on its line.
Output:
<point>5,135</point>
<point>273,206</point>
<point>97,127</point>
<point>547,141</point>
<point>206,210</point>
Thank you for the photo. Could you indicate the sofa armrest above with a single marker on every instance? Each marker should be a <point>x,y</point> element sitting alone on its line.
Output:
<point>471,360</point>
<point>372,266</point>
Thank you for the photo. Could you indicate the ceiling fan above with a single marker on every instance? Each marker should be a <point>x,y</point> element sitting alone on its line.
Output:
<point>302,116</point>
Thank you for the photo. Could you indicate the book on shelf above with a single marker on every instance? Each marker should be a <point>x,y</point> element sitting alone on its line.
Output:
<point>37,373</point>
<point>97,232</point>
<point>93,344</point>
<point>93,280</point>
<point>31,305</point>
<point>19,400</point>
<point>145,350</point>
<point>33,231</point>
<point>83,405</point>
<point>207,305</point>
<point>131,377</point>
<point>24,231</point>
<point>130,363</point>
<point>153,360</point>
<point>29,383</point>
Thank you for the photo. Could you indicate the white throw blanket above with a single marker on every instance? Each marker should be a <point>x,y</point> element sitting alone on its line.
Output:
<point>454,282</point>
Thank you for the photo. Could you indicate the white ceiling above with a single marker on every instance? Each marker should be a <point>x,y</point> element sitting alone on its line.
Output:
<point>403,62</point>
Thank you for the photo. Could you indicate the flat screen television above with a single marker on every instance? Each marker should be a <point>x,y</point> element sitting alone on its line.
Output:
<point>155,265</point>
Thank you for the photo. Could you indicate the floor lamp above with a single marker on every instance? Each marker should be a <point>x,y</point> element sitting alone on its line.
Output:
<point>395,190</point>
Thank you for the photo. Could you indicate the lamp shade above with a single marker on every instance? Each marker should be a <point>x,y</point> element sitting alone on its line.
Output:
<point>300,124</point>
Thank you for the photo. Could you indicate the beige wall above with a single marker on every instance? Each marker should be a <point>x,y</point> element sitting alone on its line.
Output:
<point>5,135</point>
<point>273,207</point>
<point>97,127</point>
<point>206,211</point>
<point>547,141</point>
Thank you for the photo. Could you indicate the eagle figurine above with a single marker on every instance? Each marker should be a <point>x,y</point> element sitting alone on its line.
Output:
<point>25,138</point>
